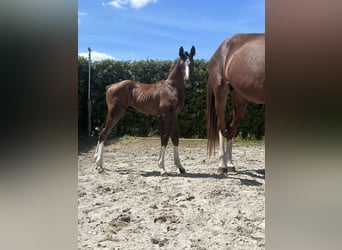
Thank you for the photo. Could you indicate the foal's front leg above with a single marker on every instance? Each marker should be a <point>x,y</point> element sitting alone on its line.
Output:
<point>175,142</point>
<point>161,161</point>
<point>165,134</point>
<point>177,160</point>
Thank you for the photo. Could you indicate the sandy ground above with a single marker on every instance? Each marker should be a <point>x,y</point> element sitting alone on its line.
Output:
<point>130,206</point>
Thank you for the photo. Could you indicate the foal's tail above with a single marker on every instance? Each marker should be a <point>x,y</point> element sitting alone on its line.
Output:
<point>211,120</point>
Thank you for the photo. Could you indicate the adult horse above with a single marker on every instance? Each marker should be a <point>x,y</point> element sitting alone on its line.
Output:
<point>236,68</point>
<point>164,98</point>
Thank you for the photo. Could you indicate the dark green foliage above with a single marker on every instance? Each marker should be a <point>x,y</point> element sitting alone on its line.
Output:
<point>192,120</point>
<point>82,94</point>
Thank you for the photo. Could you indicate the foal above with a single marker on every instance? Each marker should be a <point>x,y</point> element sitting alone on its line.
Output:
<point>164,98</point>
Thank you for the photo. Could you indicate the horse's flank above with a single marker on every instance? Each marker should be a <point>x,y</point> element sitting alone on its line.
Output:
<point>240,62</point>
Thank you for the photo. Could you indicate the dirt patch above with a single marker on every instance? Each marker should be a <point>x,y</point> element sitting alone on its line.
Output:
<point>130,206</point>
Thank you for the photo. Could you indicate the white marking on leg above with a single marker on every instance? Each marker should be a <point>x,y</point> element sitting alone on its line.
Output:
<point>96,150</point>
<point>222,155</point>
<point>177,160</point>
<point>161,160</point>
<point>99,155</point>
<point>229,159</point>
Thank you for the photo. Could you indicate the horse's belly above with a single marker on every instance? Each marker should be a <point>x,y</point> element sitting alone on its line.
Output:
<point>255,93</point>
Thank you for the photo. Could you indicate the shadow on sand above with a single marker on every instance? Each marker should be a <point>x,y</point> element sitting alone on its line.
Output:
<point>239,175</point>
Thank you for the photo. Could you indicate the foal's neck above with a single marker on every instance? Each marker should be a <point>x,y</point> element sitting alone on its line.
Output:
<point>176,76</point>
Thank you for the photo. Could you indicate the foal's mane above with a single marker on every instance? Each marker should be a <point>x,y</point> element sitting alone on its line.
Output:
<point>173,65</point>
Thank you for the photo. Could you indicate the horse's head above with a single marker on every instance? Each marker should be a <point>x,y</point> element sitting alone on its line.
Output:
<point>187,62</point>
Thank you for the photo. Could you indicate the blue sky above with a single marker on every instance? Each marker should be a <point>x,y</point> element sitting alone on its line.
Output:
<point>155,29</point>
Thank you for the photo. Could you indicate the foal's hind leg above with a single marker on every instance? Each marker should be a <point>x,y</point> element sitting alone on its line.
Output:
<point>239,109</point>
<point>113,116</point>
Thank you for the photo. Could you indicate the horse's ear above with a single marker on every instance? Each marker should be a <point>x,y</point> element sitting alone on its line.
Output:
<point>192,51</point>
<point>181,51</point>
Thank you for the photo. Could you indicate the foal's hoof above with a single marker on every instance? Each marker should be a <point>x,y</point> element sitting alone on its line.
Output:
<point>182,170</point>
<point>99,169</point>
<point>221,170</point>
<point>231,169</point>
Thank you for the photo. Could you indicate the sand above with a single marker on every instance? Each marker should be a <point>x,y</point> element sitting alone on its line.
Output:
<point>130,206</point>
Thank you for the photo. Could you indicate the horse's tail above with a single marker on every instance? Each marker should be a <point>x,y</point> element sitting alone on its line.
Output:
<point>211,120</point>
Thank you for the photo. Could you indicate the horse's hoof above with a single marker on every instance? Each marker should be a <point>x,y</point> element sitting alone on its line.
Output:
<point>221,170</point>
<point>231,169</point>
<point>182,170</point>
<point>164,174</point>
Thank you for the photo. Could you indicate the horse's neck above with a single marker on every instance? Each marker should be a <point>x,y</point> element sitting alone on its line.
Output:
<point>176,77</point>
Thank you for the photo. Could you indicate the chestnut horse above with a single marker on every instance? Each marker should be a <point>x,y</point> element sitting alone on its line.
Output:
<point>237,68</point>
<point>164,98</point>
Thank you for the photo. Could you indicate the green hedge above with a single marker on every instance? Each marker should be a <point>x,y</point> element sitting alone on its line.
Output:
<point>191,122</point>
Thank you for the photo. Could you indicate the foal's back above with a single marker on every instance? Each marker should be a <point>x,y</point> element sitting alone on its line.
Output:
<point>150,99</point>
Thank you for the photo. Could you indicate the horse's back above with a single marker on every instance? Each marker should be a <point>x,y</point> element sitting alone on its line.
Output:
<point>231,44</point>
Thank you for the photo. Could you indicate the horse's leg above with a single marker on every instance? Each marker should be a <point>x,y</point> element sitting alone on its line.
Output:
<point>229,159</point>
<point>175,142</point>
<point>113,116</point>
<point>97,146</point>
<point>239,109</point>
<point>165,117</point>
<point>221,95</point>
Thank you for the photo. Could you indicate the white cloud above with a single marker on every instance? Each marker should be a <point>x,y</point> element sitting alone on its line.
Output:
<point>135,4</point>
<point>80,13</point>
<point>97,56</point>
